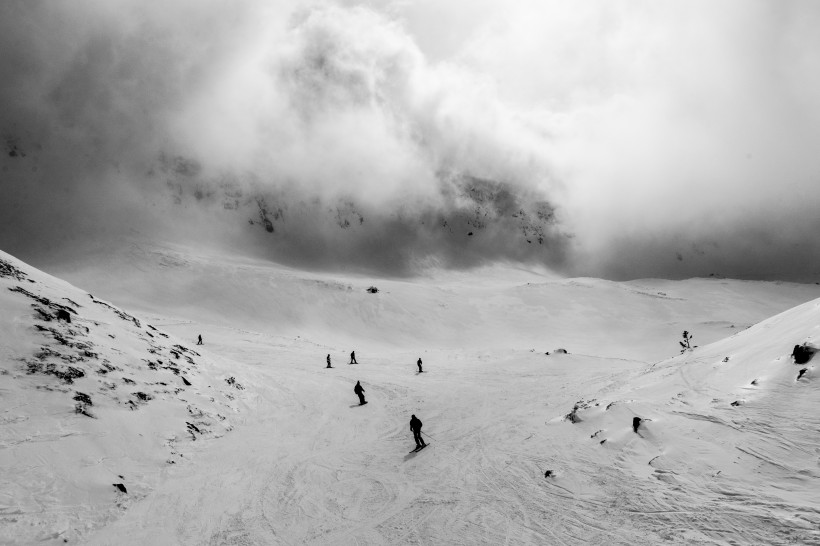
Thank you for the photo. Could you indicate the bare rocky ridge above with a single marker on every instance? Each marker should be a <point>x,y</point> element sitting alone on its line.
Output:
<point>471,211</point>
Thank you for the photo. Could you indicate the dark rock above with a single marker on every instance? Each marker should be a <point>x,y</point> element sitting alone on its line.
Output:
<point>44,301</point>
<point>801,372</point>
<point>62,314</point>
<point>8,270</point>
<point>803,353</point>
<point>121,487</point>
<point>119,312</point>
<point>67,373</point>
<point>234,383</point>
<point>83,398</point>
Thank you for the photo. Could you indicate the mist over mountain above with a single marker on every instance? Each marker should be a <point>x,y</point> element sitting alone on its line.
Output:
<point>618,140</point>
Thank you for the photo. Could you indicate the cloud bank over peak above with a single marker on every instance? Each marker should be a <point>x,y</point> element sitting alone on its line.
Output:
<point>616,139</point>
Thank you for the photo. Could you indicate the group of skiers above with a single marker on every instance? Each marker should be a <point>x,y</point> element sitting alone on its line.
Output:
<point>352,359</point>
<point>415,423</point>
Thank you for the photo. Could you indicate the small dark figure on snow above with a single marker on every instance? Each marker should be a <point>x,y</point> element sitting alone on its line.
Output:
<point>353,357</point>
<point>359,390</point>
<point>328,361</point>
<point>199,339</point>
<point>415,426</point>
<point>419,365</point>
<point>636,422</point>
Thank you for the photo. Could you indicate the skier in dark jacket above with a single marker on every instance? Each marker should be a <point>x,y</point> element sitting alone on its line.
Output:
<point>419,365</point>
<point>199,339</point>
<point>328,361</point>
<point>359,390</point>
<point>415,426</point>
<point>353,358</point>
<point>636,422</point>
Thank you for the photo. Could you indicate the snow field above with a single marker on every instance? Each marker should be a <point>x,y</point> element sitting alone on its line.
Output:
<point>303,463</point>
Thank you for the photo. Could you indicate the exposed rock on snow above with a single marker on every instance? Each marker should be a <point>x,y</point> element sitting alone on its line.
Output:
<point>803,353</point>
<point>55,372</point>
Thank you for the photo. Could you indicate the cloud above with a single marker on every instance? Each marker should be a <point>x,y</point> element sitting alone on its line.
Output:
<point>619,139</point>
<point>674,126</point>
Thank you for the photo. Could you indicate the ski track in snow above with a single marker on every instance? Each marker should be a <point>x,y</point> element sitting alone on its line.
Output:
<point>303,464</point>
<point>325,473</point>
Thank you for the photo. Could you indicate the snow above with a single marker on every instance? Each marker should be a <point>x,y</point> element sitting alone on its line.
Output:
<point>291,458</point>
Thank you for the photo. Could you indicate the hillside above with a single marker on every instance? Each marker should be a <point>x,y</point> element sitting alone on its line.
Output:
<point>296,460</point>
<point>92,396</point>
<point>729,447</point>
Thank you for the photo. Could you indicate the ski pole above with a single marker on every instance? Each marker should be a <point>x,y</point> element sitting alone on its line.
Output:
<point>427,435</point>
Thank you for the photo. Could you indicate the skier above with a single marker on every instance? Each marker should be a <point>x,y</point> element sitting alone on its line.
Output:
<point>415,426</point>
<point>419,365</point>
<point>353,357</point>
<point>199,339</point>
<point>636,422</point>
<point>328,361</point>
<point>359,390</point>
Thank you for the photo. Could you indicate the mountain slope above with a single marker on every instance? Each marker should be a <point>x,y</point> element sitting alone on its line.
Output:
<point>91,396</point>
<point>495,305</point>
<point>305,464</point>
<point>730,432</point>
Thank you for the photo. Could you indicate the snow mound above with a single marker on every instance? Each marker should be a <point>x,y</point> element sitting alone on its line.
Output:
<point>95,406</point>
<point>731,426</point>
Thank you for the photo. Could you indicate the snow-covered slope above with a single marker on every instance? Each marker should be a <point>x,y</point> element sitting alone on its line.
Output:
<point>91,396</point>
<point>496,306</point>
<point>305,464</point>
<point>729,447</point>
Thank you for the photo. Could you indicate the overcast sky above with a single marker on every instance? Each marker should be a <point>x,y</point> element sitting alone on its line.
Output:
<point>673,138</point>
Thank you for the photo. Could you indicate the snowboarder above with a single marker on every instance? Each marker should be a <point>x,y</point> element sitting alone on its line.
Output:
<point>636,422</point>
<point>199,339</point>
<point>419,364</point>
<point>353,357</point>
<point>328,361</point>
<point>359,390</point>
<point>415,426</point>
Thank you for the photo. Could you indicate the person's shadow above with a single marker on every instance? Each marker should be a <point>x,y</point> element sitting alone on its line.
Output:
<point>410,455</point>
